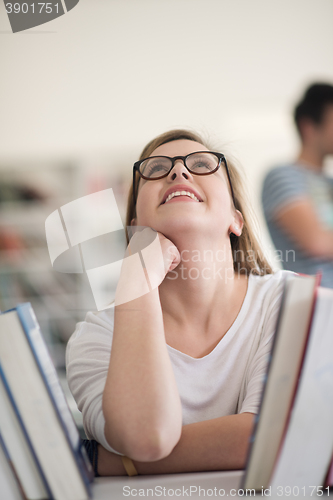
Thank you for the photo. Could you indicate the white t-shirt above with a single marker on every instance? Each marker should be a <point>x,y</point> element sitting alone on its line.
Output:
<point>226,381</point>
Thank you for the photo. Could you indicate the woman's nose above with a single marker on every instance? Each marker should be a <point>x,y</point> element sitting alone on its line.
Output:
<point>179,171</point>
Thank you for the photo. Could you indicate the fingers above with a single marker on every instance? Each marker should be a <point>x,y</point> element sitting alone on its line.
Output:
<point>148,258</point>
<point>159,254</point>
<point>173,257</point>
<point>140,240</point>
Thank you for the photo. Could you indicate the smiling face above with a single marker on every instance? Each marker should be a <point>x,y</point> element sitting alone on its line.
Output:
<point>185,202</point>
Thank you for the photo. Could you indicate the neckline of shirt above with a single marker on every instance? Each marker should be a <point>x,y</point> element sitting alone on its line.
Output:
<point>229,333</point>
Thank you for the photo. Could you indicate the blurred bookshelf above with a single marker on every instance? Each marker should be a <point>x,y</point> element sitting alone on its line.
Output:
<point>29,193</point>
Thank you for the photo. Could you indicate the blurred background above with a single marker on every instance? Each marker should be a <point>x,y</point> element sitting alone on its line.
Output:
<point>81,96</point>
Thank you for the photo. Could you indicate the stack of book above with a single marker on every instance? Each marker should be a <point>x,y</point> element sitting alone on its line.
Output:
<point>292,444</point>
<point>41,454</point>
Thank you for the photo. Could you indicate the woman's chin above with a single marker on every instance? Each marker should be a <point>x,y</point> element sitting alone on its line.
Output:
<point>183,226</point>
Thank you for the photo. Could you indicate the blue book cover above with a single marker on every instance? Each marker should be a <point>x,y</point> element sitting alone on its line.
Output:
<point>50,380</point>
<point>50,376</point>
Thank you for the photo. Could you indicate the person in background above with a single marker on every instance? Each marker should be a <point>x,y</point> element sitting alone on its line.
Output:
<point>298,198</point>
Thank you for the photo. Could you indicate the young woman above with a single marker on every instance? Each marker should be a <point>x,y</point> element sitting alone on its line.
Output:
<point>180,387</point>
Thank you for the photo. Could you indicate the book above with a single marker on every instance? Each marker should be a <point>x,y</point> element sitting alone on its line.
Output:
<point>41,406</point>
<point>19,448</point>
<point>308,444</point>
<point>10,486</point>
<point>292,332</point>
<point>329,476</point>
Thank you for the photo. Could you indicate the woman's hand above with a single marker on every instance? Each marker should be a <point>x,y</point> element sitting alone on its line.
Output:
<point>170,252</point>
<point>148,259</point>
<point>156,250</point>
<point>160,257</point>
<point>109,464</point>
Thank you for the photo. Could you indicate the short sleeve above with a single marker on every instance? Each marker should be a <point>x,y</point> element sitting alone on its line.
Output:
<point>87,363</point>
<point>282,185</point>
<point>257,369</point>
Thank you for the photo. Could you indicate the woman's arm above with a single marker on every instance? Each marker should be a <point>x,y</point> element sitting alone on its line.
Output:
<point>141,404</point>
<point>218,444</point>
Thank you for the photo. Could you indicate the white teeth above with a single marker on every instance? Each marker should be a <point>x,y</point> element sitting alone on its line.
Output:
<point>181,193</point>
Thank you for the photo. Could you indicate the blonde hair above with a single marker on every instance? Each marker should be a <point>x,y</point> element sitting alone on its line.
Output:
<point>247,255</point>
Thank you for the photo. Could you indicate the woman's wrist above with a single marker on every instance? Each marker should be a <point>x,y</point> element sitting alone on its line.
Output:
<point>129,466</point>
<point>109,464</point>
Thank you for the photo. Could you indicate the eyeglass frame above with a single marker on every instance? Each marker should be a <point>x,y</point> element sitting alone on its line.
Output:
<point>220,156</point>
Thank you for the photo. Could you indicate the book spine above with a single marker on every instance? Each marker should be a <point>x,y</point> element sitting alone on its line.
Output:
<point>329,476</point>
<point>297,384</point>
<point>3,380</point>
<point>48,372</point>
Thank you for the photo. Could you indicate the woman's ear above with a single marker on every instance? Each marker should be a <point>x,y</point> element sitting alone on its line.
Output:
<point>133,222</point>
<point>237,224</point>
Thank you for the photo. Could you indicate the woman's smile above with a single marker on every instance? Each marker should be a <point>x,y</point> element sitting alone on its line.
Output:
<point>181,196</point>
<point>181,192</point>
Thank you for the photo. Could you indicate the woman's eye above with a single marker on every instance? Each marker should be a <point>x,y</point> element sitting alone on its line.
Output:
<point>156,169</point>
<point>200,165</point>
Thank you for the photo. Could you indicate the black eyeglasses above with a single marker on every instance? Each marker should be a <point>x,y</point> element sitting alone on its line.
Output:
<point>198,163</point>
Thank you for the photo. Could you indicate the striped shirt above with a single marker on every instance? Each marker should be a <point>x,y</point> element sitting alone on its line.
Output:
<point>285,185</point>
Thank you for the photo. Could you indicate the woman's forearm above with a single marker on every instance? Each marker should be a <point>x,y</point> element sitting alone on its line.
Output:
<point>141,403</point>
<point>218,444</point>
